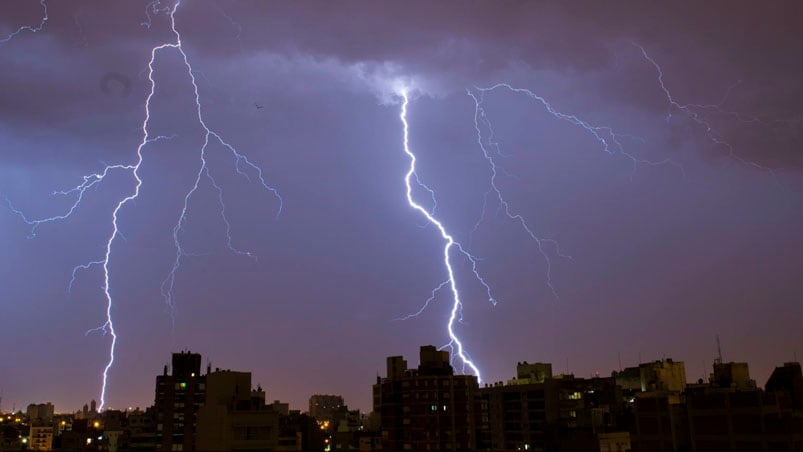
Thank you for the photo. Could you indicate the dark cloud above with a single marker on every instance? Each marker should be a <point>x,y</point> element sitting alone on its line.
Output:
<point>449,45</point>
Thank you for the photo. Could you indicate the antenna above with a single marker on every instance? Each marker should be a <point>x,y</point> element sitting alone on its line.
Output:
<point>719,352</point>
<point>619,355</point>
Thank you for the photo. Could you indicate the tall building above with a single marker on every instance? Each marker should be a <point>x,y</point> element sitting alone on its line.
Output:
<point>731,375</point>
<point>663,375</point>
<point>300,432</point>
<point>520,415</point>
<point>727,413</point>
<point>235,417</point>
<point>660,422</point>
<point>283,408</point>
<point>527,373</point>
<point>179,396</point>
<point>323,407</point>
<point>40,413</point>
<point>788,379</point>
<point>40,438</point>
<point>629,379</point>
<point>142,430</point>
<point>429,408</point>
<point>557,413</point>
<point>730,418</point>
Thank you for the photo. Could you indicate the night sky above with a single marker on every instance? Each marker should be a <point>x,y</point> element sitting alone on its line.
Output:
<point>663,257</point>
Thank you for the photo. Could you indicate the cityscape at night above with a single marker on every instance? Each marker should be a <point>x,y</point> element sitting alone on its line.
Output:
<point>402,225</point>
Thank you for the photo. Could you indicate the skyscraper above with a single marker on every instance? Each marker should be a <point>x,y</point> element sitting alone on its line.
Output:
<point>428,408</point>
<point>179,396</point>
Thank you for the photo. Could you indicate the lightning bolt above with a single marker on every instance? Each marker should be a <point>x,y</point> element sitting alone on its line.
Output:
<point>609,139</point>
<point>152,9</point>
<point>429,300</point>
<point>691,113</point>
<point>32,29</point>
<point>242,166</point>
<point>450,246</point>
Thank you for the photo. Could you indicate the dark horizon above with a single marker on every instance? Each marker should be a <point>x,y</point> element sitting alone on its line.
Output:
<point>652,178</point>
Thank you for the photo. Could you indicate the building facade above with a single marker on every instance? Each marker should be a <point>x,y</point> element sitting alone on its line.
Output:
<point>235,417</point>
<point>179,397</point>
<point>428,408</point>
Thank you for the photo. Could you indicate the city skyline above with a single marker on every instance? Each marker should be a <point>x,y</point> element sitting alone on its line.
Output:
<point>605,195</point>
<point>651,406</point>
<point>315,396</point>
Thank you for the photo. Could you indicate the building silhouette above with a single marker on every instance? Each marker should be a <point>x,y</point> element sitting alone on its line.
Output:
<point>664,375</point>
<point>40,437</point>
<point>428,408</point>
<point>41,413</point>
<point>787,379</point>
<point>729,412</point>
<point>324,407</point>
<point>561,412</point>
<point>235,417</point>
<point>179,396</point>
<point>527,373</point>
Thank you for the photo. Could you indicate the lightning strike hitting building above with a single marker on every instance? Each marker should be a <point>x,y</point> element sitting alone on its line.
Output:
<point>610,141</point>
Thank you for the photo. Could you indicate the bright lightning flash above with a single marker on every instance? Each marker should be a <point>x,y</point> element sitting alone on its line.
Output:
<point>242,166</point>
<point>610,141</point>
<point>450,246</point>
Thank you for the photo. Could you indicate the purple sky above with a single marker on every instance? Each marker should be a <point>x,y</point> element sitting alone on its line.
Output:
<point>663,259</point>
